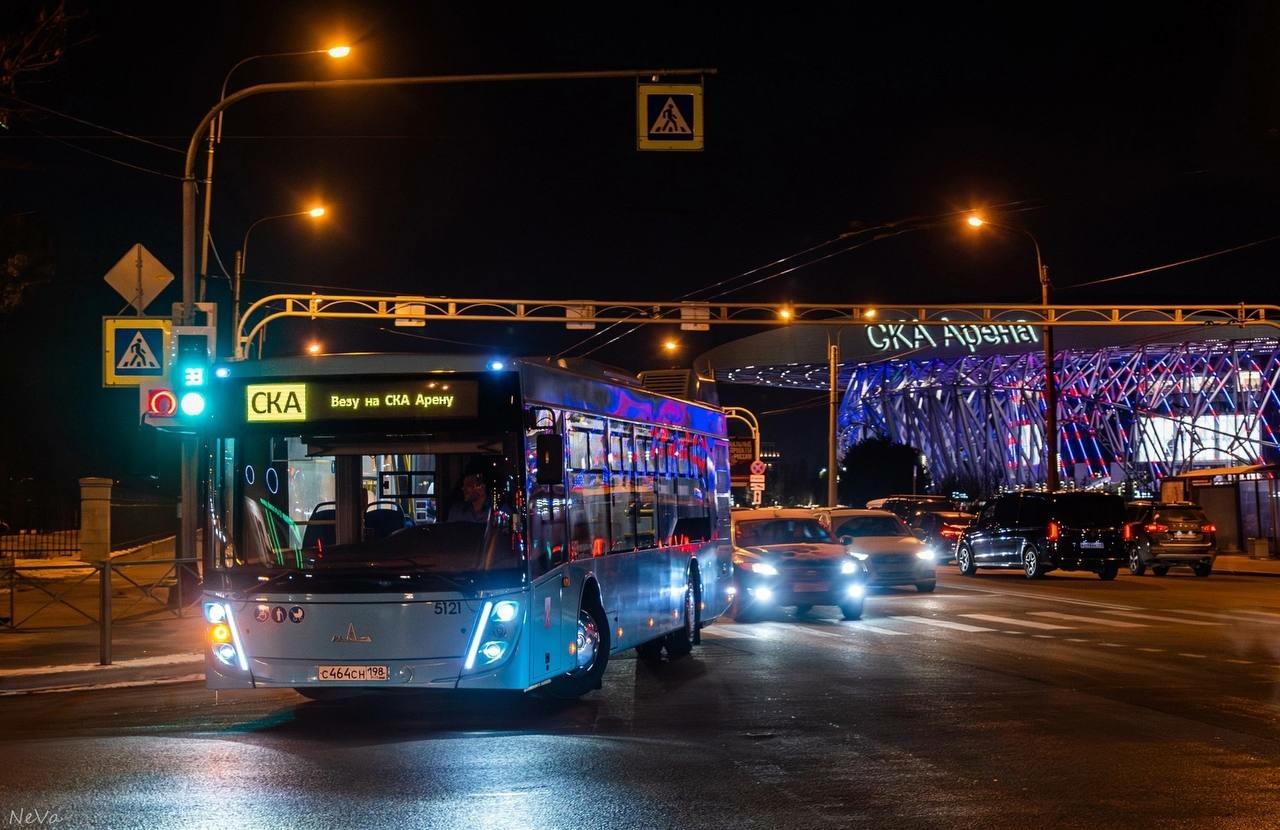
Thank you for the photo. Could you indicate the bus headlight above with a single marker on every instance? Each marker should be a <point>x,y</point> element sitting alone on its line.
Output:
<point>855,591</point>
<point>849,567</point>
<point>494,637</point>
<point>764,569</point>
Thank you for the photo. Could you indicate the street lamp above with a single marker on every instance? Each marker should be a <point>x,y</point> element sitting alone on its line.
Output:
<point>1050,380</point>
<point>215,138</point>
<point>242,256</point>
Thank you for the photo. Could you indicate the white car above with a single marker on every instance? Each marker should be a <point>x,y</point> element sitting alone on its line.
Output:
<point>785,557</point>
<point>893,554</point>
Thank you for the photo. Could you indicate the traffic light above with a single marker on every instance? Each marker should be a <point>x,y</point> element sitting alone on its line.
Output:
<point>192,365</point>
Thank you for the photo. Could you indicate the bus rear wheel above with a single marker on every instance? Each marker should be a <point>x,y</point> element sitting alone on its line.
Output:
<point>592,654</point>
<point>680,641</point>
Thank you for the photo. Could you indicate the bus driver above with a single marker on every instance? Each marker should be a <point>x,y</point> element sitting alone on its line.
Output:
<point>474,506</point>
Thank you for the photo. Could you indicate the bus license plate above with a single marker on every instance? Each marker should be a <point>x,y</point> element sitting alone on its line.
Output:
<point>352,673</point>
<point>809,587</point>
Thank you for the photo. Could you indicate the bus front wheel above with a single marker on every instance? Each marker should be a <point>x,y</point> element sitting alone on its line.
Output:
<point>591,653</point>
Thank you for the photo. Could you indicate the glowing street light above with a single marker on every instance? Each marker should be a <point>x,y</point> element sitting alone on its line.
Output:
<point>242,256</point>
<point>1050,380</point>
<point>215,137</point>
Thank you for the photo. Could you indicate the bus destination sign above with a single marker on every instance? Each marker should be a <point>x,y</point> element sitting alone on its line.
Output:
<point>360,400</point>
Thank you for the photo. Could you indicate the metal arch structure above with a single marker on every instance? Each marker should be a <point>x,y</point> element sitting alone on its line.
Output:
<point>702,315</point>
<point>1126,413</point>
<point>1207,395</point>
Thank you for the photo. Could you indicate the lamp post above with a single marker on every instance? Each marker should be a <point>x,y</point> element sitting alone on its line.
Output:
<point>242,256</point>
<point>1050,380</point>
<point>215,138</point>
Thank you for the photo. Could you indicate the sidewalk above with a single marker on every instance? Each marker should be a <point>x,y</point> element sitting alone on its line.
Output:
<point>162,648</point>
<point>61,649</point>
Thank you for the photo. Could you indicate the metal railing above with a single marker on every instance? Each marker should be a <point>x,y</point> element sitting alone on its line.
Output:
<point>81,593</point>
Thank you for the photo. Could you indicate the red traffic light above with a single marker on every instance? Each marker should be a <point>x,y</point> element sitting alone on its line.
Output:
<point>162,403</point>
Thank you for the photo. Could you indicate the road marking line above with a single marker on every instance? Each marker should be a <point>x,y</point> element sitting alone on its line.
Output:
<point>861,626</point>
<point>1158,618</point>
<point>1011,621</point>
<point>815,632</point>
<point>1189,654</point>
<point>728,633</point>
<point>1152,650</point>
<point>942,624</point>
<point>1055,615</point>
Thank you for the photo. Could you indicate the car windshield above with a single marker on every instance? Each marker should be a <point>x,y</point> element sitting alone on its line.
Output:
<point>751,532</point>
<point>860,526</point>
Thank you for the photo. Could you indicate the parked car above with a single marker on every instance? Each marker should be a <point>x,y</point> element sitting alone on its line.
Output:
<point>940,529</point>
<point>1165,534</point>
<point>892,554</point>
<point>785,557</point>
<point>1041,532</point>
<point>903,505</point>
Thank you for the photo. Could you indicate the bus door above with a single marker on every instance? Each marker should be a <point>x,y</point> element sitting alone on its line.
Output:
<point>552,619</point>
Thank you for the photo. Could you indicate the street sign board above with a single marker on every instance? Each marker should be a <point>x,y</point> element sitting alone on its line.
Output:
<point>139,277</point>
<point>669,117</point>
<point>757,469</point>
<point>134,349</point>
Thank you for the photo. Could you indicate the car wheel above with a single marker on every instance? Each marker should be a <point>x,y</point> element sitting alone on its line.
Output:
<point>964,559</point>
<point>1136,566</point>
<point>1108,571</point>
<point>852,610</point>
<point>1202,568</point>
<point>1159,570</point>
<point>1031,564</point>
<point>927,587</point>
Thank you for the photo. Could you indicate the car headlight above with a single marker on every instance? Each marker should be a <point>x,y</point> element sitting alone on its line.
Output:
<point>764,569</point>
<point>849,567</point>
<point>927,554</point>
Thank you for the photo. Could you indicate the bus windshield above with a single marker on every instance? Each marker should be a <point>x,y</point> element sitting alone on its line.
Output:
<point>417,509</point>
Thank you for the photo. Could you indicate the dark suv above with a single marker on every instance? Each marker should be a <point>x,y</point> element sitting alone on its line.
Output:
<point>1041,532</point>
<point>1163,534</point>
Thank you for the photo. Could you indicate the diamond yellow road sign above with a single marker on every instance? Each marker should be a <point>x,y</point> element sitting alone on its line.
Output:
<point>669,117</point>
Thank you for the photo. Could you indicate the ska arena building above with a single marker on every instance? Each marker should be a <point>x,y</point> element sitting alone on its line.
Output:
<point>1137,406</point>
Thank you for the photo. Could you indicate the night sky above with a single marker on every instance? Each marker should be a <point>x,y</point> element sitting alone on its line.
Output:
<point>1123,141</point>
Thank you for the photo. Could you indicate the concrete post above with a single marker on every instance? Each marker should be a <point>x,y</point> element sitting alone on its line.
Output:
<point>95,519</point>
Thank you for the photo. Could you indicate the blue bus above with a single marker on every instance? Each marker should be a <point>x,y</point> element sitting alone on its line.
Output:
<point>439,522</point>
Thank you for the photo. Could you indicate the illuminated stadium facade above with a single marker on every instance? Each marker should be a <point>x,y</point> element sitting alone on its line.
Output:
<point>1134,404</point>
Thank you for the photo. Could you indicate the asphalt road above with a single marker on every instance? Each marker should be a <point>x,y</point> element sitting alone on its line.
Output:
<point>993,703</point>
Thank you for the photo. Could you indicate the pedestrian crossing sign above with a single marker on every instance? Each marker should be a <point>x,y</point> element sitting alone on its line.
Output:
<point>134,349</point>
<point>669,117</point>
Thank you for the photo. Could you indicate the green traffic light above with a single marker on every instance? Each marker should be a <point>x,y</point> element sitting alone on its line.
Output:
<point>192,404</point>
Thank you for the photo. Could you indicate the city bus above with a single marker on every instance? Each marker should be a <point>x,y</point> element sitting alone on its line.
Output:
<point>336,558</point>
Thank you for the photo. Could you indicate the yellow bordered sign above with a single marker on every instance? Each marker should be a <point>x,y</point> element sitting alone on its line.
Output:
<point>669,117</point>
<point>134,349</point>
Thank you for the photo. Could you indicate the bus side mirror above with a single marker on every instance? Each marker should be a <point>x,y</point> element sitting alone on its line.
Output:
<point>550,460</point>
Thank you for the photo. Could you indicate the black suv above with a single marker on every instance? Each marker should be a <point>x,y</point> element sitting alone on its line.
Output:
<point>1041,532</point>
<point>1162,534</point>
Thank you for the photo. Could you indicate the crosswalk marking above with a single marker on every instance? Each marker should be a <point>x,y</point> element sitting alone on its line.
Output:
<point>861,626</point>
<point>1057,615</point>
<point>730,633</point>
<point>815,632</point>
<point>1010,621</point>
<point>942,624</point>
<point>1157,618</point>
